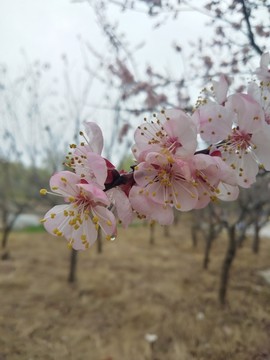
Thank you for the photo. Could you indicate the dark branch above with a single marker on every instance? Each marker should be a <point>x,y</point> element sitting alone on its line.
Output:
<point>246,14</point>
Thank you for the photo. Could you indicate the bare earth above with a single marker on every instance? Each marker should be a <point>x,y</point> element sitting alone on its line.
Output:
<point>129,290</point>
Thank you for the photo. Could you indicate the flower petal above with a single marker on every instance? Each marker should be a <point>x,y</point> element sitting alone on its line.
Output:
<point>262,141</point>
<point>106,220</point>
<point>95,193</point>
<point>182,128</point>
<point>64,182</point>
<point>220,89</point>
<point>151,210</point>
<point>122,204</point>
<point>250,117</point>
<point>95,136</point>
<point>214,121</point>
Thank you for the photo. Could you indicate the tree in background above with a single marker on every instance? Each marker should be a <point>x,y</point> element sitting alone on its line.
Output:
<point>236,34</point>
<point>30,149</point>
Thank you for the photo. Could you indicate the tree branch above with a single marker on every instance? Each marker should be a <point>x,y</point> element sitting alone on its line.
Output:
<point>250,32</point>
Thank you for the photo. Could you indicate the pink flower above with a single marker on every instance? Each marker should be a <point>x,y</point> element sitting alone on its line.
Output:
<point>85,210</point>
<point>166,181</point>
<point>261,94</point>
<point>214,179</point>
<point>95,137</point>
<point>214,121</point>
<point>220,89</point>
<point>217,94</point>
<point>120,204</point>
<point>263,72</point>
<point>148,209</point>
<point>86,159</point>
<point>89,166</point>
<point>244,139</point>
<point>174,133</point>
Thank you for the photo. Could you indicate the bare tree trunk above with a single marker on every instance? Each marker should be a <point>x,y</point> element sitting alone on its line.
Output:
<point>256,239</point>
<point>208,245</point>
<point>194,235</point>
<point>152,233</point>
<point>7,228</point>
<point>73,266</point>
<point>5,235</point>
<point>99,242</point>
<point>228,260</point>
<point>241,238</point>
<point>176,218</point>
<point>166,231</point>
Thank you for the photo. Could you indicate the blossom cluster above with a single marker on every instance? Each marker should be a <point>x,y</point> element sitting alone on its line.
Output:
<point>170,171</point>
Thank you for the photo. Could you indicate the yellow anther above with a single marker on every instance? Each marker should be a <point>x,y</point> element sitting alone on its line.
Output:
<point>52,215</point>
<point>109,223</point>
<point>76,227</point>
<point>54,187</point>
<point>95,219</point>
<point>83,237</point>
<point>55,231</point>
<point>63,179</point>
<point>170,159</point>
<point>70,243</point>
<point>71,199</point>
<point>108,237</point>
<point>43,191</point>
<point>42,221</point>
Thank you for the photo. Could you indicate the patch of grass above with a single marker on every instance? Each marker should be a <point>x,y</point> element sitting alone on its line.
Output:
<point>33,229</point>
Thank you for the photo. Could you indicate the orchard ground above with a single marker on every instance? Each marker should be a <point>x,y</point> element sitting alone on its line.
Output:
<point>130,290</point>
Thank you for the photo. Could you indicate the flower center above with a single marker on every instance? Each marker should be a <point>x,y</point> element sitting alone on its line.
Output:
<point>164,177</point>
<point>240,139</point>
<point>172,144</point>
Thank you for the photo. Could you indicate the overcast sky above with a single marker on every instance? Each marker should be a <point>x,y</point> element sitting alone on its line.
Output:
<point>46,29</point>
